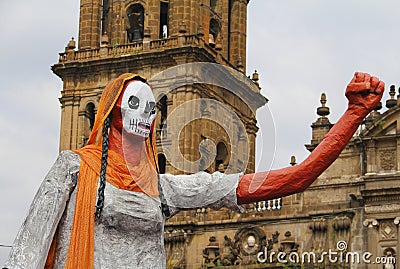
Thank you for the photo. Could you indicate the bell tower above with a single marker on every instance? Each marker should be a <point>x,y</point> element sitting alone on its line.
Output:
<point>222,22</point>
<point>148,37</point>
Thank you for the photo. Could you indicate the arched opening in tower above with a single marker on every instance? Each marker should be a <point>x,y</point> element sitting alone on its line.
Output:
<point>161,124</point>
<point>135,28</point>
<point>164,7</point>
<point>89,115</point>
<point>221,158</point>
<point>214,31</point>
<point>213,4</point>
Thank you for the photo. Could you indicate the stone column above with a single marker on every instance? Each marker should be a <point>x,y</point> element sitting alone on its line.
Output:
<point>371,158</point>
<point>397,223</point>
<point>319,229</point>
<point>398,154</point>
<point>89,24</point>
<point>372,225</point>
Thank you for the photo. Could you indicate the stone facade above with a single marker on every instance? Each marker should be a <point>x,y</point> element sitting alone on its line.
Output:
<point>351,210</point>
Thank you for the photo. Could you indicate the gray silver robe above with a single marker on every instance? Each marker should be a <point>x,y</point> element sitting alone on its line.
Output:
<point>130,231</point>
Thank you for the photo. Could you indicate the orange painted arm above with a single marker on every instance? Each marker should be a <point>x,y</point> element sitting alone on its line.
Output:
<point>364,93</point>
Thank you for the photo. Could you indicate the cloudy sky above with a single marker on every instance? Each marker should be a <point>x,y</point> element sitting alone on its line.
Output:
<point>299,48</point>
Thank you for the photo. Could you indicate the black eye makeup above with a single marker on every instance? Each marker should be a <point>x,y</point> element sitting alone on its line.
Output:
<point>133,102</point>
<point>150,108</point>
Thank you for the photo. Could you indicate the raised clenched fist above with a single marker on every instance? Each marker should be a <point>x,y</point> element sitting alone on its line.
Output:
<point>364,91</point>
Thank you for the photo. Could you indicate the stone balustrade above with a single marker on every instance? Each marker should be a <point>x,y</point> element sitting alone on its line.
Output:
<point>268,205</point>
<point>129,49</point>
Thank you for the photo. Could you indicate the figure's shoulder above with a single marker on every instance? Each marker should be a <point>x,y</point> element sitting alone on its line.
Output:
<point>199,177</point>
<point>68,155</point>
<point>70,159</point>
<point>199,190</point>
<point>184,178</point>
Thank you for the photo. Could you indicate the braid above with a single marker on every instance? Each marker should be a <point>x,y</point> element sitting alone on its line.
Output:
<point>164,205</point>
<point>104,155</point>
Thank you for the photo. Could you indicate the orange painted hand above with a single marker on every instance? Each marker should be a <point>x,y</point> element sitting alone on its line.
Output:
<point>364,91</point>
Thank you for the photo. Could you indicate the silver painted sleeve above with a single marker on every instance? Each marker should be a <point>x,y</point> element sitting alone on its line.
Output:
<point>199,190</point>
<point>34,238</point>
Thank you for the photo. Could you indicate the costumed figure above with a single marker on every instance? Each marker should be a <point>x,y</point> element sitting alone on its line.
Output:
<point>104,206</point>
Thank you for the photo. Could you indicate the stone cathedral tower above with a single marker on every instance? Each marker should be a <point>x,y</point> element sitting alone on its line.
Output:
<point>147,37</point>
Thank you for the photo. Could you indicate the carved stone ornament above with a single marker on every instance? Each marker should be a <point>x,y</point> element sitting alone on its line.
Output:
<point>387,230</point>
<point>174,243</point>
<point>248,242</point>
<point>318,225</point>
<point>388,160</point>
<point>341,223</point>
<point>319,229</point>
<point>370,223</point>
<point>288,244</point>
<point>211,254</point>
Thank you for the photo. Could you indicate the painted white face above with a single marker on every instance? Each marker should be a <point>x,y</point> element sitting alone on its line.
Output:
<point>138,108</point>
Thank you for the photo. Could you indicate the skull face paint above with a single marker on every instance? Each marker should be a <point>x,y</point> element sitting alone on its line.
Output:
<point>138,108</point>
